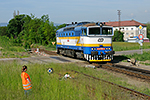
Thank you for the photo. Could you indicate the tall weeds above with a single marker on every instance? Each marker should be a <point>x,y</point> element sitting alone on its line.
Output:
<point>54,87</point>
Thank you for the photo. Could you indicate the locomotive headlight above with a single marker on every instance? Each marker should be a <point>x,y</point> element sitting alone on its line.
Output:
<point>107,48</point>
<point>93,48</point>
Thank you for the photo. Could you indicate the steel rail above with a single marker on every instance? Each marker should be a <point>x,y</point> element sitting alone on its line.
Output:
<point>144,74</point>
<point>133,68</point>
<point>125,88</point>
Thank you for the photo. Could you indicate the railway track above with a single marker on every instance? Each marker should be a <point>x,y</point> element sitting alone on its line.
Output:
<point>140,73</point>
<point>132,71</point>
<point>137,94</point>
<point>48,52</point>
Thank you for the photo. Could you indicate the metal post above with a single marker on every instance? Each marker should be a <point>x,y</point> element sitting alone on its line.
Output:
<point>141,50</point>
<point>119,13</point>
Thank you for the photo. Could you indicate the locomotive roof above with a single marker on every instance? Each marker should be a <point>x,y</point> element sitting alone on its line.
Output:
<point>77,26</point>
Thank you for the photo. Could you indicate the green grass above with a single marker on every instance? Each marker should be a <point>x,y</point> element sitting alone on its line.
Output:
<point>8,50</point>
<point>122,46</point>
<point>53,87</point>
<point>140,57</point>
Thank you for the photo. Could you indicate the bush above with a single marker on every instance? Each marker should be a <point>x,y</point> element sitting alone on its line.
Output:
<point>118,36</point>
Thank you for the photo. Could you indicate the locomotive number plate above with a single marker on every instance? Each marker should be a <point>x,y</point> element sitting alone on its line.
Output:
<point>100,48</point>
<point>100,40</point>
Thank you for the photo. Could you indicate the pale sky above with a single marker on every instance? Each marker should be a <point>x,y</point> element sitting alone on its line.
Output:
<point>67,11</point>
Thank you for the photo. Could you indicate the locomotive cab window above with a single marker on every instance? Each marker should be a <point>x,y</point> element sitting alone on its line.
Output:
<point>106,31</point>
<point>94,31</point>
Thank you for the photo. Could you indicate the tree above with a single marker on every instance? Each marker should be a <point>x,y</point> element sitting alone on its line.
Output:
<point>148,30</point>
<point>26,30</point>
<point>60,26</point>
<point>15,26</point>
<point>30,32</point>
<point>3,30</point>
<point>118,36</point>
<point>47,32</point>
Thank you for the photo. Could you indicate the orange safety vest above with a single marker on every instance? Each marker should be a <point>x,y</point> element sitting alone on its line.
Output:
<point>26,81</point>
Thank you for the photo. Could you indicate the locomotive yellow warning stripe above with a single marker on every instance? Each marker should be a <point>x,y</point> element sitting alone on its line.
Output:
<point>69,37</point>
<point>100,60</point>
<point>93,45</point>
<point>59,43</point>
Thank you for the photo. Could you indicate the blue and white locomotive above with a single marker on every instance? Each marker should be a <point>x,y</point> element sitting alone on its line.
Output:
<point>87,40</point>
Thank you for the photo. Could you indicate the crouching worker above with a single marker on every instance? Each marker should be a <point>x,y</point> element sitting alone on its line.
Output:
<point>26,81</point>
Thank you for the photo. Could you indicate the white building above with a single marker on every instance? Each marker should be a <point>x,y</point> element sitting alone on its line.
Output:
<point>129,28</point>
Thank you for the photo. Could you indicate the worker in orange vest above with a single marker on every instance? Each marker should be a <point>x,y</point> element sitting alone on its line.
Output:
<point>26,81</point>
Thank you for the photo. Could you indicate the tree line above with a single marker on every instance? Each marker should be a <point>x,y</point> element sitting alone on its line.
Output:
<point>25,30</point>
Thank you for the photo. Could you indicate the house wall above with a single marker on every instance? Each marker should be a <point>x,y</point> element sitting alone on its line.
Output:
<point>131,31</point>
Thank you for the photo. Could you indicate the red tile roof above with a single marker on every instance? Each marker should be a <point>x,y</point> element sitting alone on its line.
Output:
<point>124,23</point>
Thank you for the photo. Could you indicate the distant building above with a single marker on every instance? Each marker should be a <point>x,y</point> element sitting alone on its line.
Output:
<point>130,28</point>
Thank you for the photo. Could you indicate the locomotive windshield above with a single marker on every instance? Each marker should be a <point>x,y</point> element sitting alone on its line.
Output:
<point>94,31</point>
<point>106,31</point>
<point>100,31</point>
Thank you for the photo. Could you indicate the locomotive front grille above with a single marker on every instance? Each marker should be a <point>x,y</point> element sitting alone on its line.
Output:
<point>98,58</point>
<point>94,53</point>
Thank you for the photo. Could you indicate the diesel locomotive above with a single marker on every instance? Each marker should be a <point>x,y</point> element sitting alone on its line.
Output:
<point>87,40</point>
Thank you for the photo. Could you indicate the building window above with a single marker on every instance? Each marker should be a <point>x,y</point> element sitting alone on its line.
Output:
<point>131,28</point>
<point>131,33</point>
<point>127,33</point>
<point>126,28</point>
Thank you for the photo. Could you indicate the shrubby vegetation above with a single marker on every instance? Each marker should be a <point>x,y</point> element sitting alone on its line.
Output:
<point>148,30</point>
<point>7,50</point>
<point>118,36</point>
<point>3,30</point>
<point>26,30</point>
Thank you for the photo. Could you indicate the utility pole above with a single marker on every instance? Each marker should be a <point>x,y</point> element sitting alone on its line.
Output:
<point>119,13</point>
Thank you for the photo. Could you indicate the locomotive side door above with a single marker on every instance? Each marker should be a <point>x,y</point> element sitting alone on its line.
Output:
<point>84,33</point>
<point>82,36</point>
